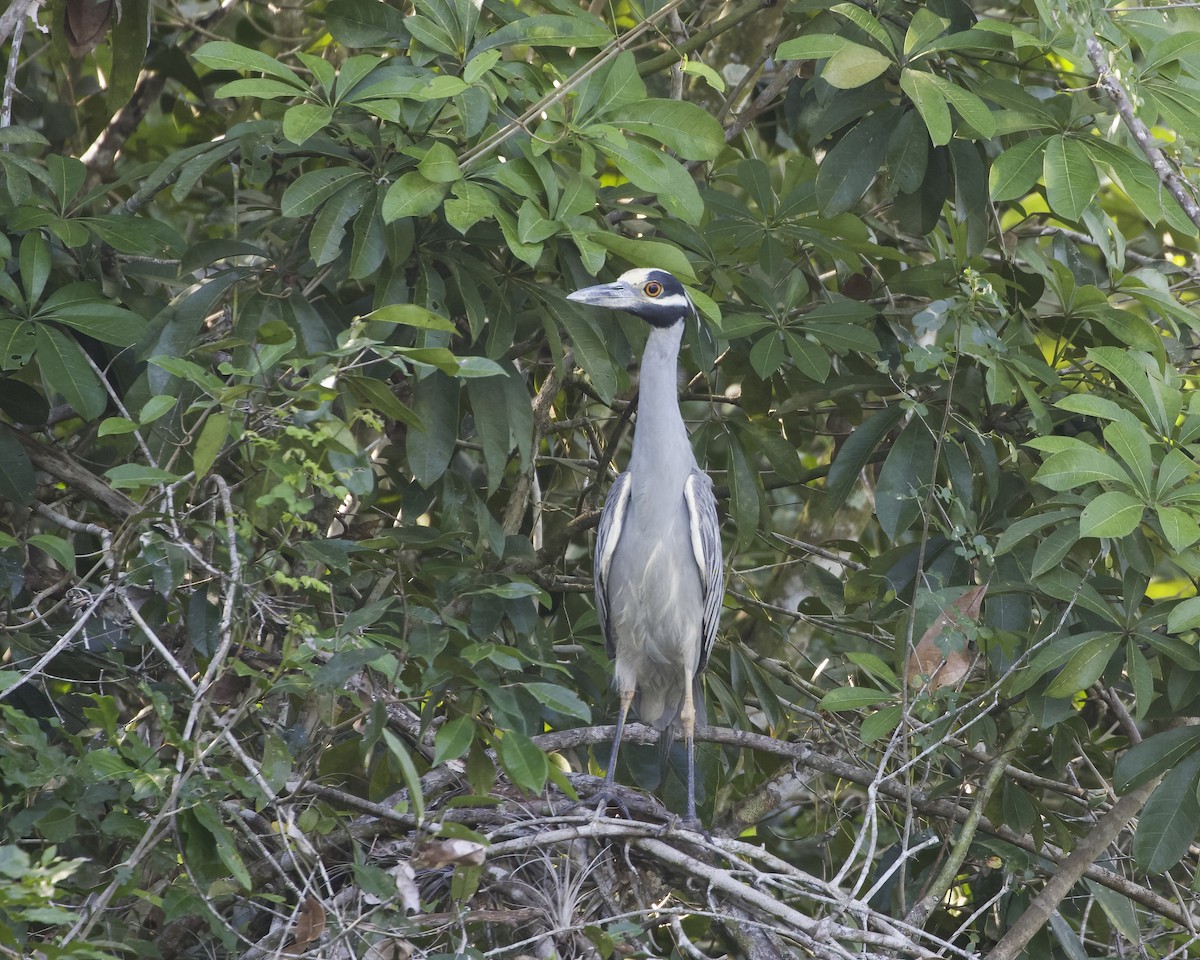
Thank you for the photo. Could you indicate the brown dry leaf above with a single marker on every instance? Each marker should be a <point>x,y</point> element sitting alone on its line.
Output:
<point>310,926</point>
<point>406,887</point>
<point>86,23</point>
<point>942,655</point>
<point>441,853</point>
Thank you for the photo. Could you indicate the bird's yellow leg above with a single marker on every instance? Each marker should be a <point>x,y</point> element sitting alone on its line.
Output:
<point>687,720</point>
<point>626,701</point>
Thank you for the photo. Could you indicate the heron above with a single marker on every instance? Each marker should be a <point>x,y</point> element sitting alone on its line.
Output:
<point>657,566</point>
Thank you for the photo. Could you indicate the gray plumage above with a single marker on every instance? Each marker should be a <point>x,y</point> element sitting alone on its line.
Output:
<point>658,567</point>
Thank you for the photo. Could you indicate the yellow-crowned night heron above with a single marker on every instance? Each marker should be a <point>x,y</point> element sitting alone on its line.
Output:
<point>659,582</point>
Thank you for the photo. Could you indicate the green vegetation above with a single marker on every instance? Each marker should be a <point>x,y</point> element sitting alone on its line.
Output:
<point>301,445</point>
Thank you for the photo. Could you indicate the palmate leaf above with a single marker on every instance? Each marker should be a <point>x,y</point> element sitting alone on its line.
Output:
<point>692,132</point>
<point>66,371</point>
<point>659,174</point>
<point>1168,823</point>
<point>1071,179</point>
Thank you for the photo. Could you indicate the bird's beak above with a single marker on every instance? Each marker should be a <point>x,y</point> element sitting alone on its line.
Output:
<point>615,296</point>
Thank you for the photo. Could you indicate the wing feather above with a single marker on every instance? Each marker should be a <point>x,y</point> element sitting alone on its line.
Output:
<point>608,535</point>
<point>705,529</point>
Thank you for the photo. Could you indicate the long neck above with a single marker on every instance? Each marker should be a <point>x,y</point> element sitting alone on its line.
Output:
<point>660,436</point>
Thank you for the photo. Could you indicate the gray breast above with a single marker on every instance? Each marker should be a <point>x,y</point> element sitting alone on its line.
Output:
<point>656,605</point>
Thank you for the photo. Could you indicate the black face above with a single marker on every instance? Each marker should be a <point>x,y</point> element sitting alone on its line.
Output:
<point>664,301</point>
<point>654,295</point>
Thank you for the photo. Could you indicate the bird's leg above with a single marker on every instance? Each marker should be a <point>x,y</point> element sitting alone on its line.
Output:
<point>608,793</point>
<point>623,711</point>
<point>687,720</point>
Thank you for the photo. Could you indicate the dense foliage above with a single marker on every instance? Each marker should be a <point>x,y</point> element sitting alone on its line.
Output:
<point>300,447</point>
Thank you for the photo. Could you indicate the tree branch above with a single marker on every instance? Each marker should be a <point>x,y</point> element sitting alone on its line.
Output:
<point>1071,870</point>
<point>1145,139</point>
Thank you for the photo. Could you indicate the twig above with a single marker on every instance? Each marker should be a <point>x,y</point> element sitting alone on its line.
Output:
<point>20,12</point>
<point>1145,139</point>
<point>944,881</point>
<point>1086,852</point>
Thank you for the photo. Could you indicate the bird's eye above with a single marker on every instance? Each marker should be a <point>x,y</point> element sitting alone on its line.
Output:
<point>653,289</point>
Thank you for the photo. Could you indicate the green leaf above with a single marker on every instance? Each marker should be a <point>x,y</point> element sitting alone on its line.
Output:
<point>364,23</point>
<point>1071,179</point>
<point>453,739</point>
<point>440,164</point>
<point>223,55</point>
<point>1179,528</point>
<point>854,66</point>
<point>225,844</point>
<point>809,358</point>
<point>1017,169</point>
<point>488,407</point>
<point>259,87</point>
<point>1185,615</point>
<point>1176,46</point>
<point>1155,755</point>
<point>659,174</point>
<point>1076,468</point>
<point>435,402</point>
<point>560,700</point>
<point>312,189</point>
<point>17,479</point>
<point>852,698</point>
<point>305,119</point>
<point>646,253</point>
<point>1112,514</point>
<point>1167,825</point>
<point>523,761</point>
<point>1054,548</point>
<point>691,131</point>
<point>1085,666</point>
<point>905,478</point>
<point>1118,908</point>
<point>34,265</point>
<point>815,46</point>
<point>412,196</point>
<point>378,396</point>
<point>927,97</point>
<point>907,154</point>
<point>208,444</point>
<point>408,770</point>
<point>549,30</point>
<point>131,476</point>
<point>412,315</point>
<point>856,452</point>
<point>869,24</point>
<point>1130,443</point>
<point>115,427</point>
<point>924,28</point>
<point>853,163</point>
<point>880,724</point>
<point>56,547</point>
<point>329,228</point>
<point>18,340</point>
<point>103,321</point>
<point>968,106</point>
<point>768,354</point>
<point>66,371</point>
<point>1175,468</point>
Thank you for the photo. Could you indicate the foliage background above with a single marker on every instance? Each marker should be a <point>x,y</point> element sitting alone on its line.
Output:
<point>300,445</point>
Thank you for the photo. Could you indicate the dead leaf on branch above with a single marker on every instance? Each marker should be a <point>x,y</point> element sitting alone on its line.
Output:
<point>86,23</point>
<point>943,657</point>
<point>310,926</point>
<point>442,853</point>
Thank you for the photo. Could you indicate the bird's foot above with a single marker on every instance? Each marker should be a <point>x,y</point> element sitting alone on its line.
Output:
<point>606,797</point>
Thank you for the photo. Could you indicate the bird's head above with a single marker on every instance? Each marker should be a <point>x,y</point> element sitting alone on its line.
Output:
<point>652,294</point>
